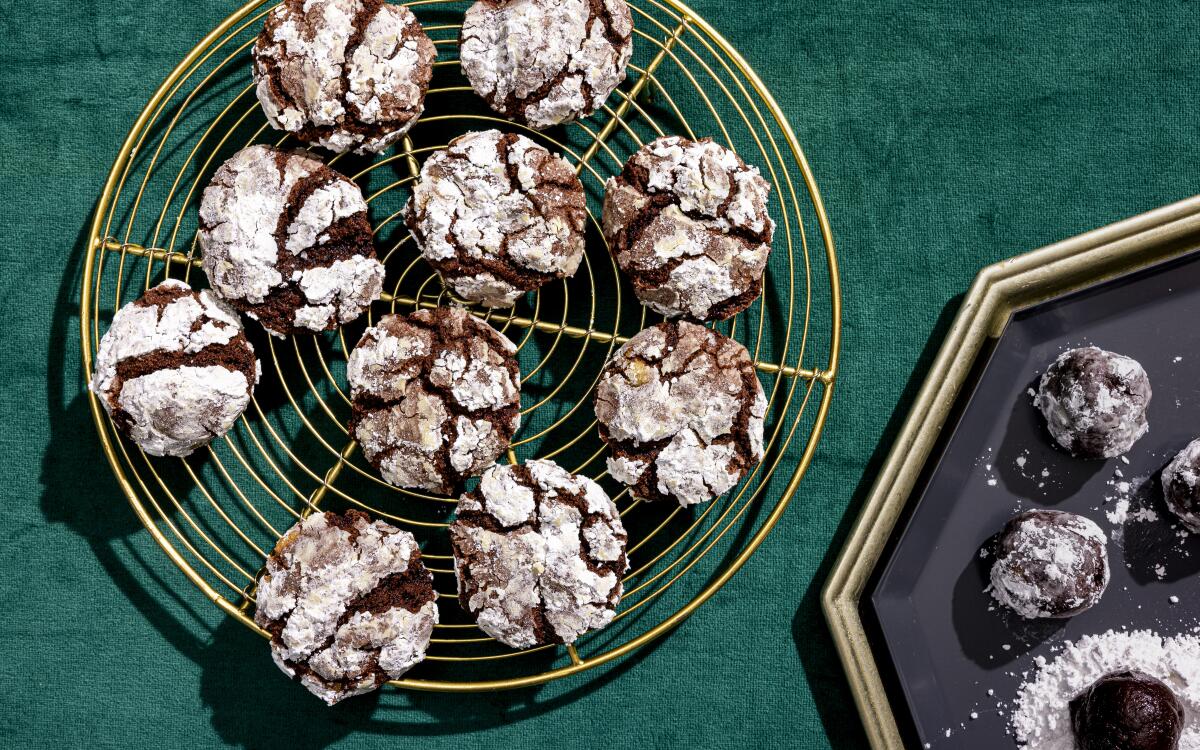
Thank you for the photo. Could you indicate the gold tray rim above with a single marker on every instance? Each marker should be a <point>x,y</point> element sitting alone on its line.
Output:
<point>998,291</point>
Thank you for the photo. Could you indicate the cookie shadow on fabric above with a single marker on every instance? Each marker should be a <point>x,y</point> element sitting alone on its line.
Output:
<point>76,488</point>
<point>240,685</point>
<point>835,706</point>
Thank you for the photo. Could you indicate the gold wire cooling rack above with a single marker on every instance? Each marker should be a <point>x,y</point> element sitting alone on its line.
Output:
<point>218,513</point>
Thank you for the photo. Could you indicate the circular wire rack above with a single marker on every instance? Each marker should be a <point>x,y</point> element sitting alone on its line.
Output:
<point>218,513</point>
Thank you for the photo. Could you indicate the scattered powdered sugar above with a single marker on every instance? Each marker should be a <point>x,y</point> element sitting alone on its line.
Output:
<point>1041,719</point>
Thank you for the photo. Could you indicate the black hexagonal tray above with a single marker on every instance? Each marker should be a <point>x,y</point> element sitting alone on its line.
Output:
<point>926,608</point>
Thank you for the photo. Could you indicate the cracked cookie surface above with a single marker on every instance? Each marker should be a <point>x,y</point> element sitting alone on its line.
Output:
<point>287,241</point>
<point>681,409</point>
<point>1095,402</point>
<point>348,603</point>
<point>1049,564</point>
<point>546,62</point>
<point>174,370</point>
<point>497,216</point>
<point>435,397</point>
<point>343,74</point>
<point>539,554</point>
<point>687,222</point>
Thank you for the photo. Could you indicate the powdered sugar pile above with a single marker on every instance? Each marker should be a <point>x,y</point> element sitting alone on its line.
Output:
<point>1042,721</point>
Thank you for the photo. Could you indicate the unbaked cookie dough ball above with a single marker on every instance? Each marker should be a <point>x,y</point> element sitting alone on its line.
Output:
<point>1127,711</point>
<point>539,554</point>
<point>681,410</point>
<point>546,62</point>
<point>687,223</point>
<point>343,74</point>
<point>435,397</point>
<point>174,370</point>
<point>287,241</point>
<point>1181,485</point>
<point>497,216</point>
<point>348,603</point>
<point>1095,402</point>
<point>1050,564</point>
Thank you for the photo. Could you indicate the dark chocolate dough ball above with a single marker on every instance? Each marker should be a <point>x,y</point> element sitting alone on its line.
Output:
<point>1181,485</point>
<point>1050,564</point>
<point>1095,402</point>
<point>1127,711</point>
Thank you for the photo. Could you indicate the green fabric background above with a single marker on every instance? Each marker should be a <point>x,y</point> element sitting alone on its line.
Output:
<point>943,137</point>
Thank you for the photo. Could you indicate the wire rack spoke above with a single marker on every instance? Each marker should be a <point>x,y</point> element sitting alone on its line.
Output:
<point>216,516</point>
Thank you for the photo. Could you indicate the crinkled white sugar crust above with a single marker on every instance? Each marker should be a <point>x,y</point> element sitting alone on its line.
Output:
<point>1058,554</point>
<point>384,75</point>
<point>137,330</point>
<point>240,212</point>
<point>714,194</point>
<point>1183,469</point>
<point>465,206</point>
<point>338,292</point>
<point>174,411</point>
<point>1119,418</point>
<point>407,436</point>
<point>319,573</point>
<point>542,565</point>
<point>241,209</point>
<point>515,48</point>
<point>649,395</point>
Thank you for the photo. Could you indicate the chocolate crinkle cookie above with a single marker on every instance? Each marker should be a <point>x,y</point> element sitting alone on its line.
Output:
<point>1049,564</point>
<point>1127,710</point>
<point>435,397</point>
<point>287,241</point>
<point>687,222</point>
<point>546,62</point>
<point>174,370</point>
<point>681,410</point>
<point>348,603</point>
<point>539,554</point>
<point>1181,485</point>
<point>497,216</point>
<point>343,74</point>
<point>1095,402</point>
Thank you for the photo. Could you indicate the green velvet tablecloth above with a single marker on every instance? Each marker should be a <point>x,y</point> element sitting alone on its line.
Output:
<point>944,136</point>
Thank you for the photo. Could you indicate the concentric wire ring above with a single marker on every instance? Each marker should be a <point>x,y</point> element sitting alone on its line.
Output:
<point>217,514</point>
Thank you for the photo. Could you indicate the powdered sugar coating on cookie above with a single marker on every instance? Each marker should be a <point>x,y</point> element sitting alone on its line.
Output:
<point>546,62</point>
<point>1181,485</point>
<point>348,603</point>
<point>498,215</point>
<point>287,241</point>
<point>1050,564</point>
<point>681,410</point>
<point>435,397</point>
<point>539,554</point>
<point>343,74</point>
<point>687,222</point>
<point>1095,402</point>
<point>174,370</point>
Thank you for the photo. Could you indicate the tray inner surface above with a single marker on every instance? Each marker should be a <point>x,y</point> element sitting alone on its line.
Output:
<point>927,611</point>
